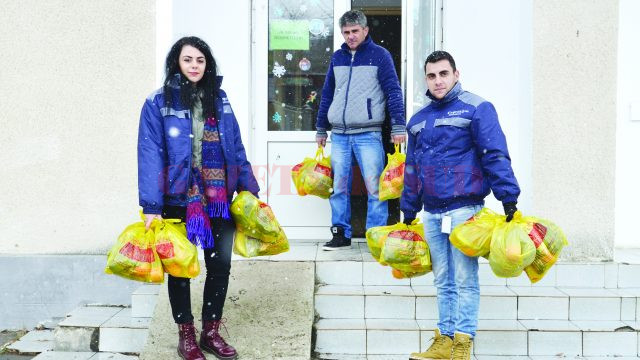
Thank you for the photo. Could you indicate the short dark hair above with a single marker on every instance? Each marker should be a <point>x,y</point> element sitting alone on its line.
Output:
<point>438,55</point>
<point>353,17</point>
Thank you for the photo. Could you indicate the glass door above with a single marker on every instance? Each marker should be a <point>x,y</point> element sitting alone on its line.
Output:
<point>293,41</point>
<point>292,47</point>
<point>300,48</point>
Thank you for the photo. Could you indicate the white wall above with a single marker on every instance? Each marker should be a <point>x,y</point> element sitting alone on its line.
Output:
<point>226,27</point>
<point>628,131</point>
<point>574,84</point>
<point>73,75</point>
<point>490,41</point>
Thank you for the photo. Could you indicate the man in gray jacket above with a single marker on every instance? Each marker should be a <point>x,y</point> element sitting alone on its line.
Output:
<point>361,82</point>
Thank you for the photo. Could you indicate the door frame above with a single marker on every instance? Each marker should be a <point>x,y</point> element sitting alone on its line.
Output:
<point>259,133</point>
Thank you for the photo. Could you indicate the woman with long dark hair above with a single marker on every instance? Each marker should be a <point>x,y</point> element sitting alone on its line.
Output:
<point>190,162</point>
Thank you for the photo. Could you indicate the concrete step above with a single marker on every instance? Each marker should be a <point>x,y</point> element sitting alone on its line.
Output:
<point>94,331</point>
<point>80,331</point>
<point>101,329</point>
<point>33,342</point>
<point>579,310</point>
<point>144,300</point>
<point>359,338</point>
<point>108,329</point>
<point>356,266</point>
<point>496,303</point>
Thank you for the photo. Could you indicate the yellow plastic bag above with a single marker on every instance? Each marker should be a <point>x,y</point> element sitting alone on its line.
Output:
<point>549,241</point>
<point>399,274</point>
<point>295,176</point>
<point>134,255</point>
<point>375,239</point>
<point>406,250</point>
<point>178,255</point>
<point>392,177</point>
<point>248,246</point>
<point>473,237</point>
<point>314,176</point>
<point>402,247</point>
<point>255,218</point>
<point>511,247</point>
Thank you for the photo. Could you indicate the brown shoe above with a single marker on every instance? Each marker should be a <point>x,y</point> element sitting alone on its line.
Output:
<point>211,341</point>
<point>187,346</point>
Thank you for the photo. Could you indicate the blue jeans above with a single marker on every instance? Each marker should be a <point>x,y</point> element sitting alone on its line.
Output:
<point>455,275</point>
<point>368,151</point>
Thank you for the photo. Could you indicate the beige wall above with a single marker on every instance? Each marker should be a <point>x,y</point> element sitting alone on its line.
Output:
<point>74,76</point>
<point>574,120</point>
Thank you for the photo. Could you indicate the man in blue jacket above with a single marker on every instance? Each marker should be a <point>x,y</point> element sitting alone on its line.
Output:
<point>360,83</point>
<point>456,155</point>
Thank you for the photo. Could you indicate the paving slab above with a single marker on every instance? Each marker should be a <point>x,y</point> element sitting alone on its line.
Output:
<point>90,316</point>
<point>8,356</point>
<point>34,342</point>
<point>269,308</point>
<point>112,356</point>
<point>63,355</point>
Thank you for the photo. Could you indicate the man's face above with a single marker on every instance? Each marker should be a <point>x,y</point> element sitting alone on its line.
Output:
<point>354,35</point>
<point>440,78</point>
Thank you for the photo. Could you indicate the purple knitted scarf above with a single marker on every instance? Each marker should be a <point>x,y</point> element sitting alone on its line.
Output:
<point>207,196</point>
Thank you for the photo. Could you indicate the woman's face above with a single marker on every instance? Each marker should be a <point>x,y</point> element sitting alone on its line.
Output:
<point>192,63</point>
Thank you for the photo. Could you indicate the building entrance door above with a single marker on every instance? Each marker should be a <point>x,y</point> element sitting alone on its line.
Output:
<point>384,19</point>
<point>293,41</point>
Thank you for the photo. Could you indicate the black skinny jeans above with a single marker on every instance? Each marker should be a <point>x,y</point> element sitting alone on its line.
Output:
<point>218,263</point>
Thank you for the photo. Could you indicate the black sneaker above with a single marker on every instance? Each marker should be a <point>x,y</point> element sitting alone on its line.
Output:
<point>339,241</point>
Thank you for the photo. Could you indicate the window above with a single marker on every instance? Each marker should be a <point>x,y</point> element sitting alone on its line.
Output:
<point>300,49</point>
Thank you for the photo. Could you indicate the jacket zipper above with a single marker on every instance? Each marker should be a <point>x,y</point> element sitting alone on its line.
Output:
<point>221,135</point>
<point>191,137</point>
<point>346,96</point>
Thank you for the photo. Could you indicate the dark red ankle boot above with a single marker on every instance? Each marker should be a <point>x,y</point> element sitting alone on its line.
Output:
<point>211,341</point>
<point>187,346</point>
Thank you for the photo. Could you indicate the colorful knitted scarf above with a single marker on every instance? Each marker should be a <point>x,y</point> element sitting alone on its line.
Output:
<point>207,180</point>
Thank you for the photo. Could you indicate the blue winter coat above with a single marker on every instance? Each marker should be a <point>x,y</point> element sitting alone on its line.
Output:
<point>356,90</point>
<point>164,151</point>
<point>456,154</point>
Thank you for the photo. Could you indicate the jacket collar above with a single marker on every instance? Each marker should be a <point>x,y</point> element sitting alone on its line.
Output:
<point>451,95</point>
<point>362,46</point>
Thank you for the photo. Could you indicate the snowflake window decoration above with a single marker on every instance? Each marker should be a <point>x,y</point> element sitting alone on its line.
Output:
<point>325,33</point>
<point>278,70</point>
<point>303,8</point>
<point>289,56</point>
<point>277,118</point>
